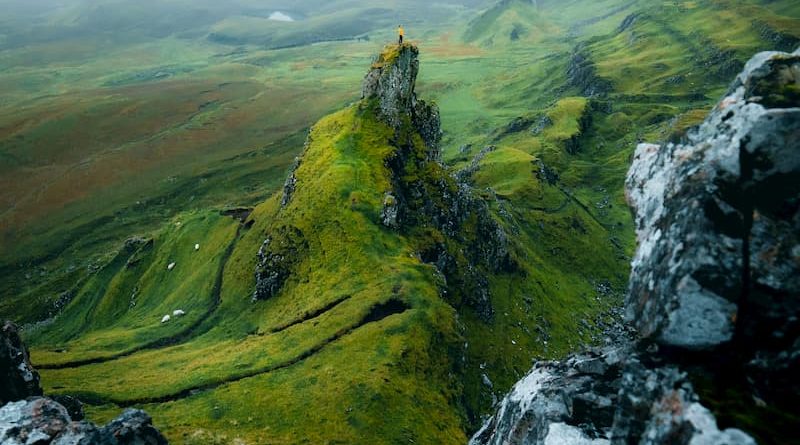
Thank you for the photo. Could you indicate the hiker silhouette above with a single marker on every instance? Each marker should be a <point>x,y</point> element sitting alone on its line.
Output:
<point>400,33</point>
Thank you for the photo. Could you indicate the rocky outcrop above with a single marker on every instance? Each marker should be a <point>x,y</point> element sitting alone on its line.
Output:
<point>449,226</point>
<point>601,397</point>
<point>19,378</point>
<point>390,87</point>
<point>722,212</point>
<point>26,418</point>
<point>714,290</point>
<point>43,421</point>
<point>391,82</point>
<point>582,74</point>
<point>462,240</point>
<point>276,258</point>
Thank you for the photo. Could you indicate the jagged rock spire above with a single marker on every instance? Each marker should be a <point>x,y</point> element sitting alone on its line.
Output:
<point>391,81</point>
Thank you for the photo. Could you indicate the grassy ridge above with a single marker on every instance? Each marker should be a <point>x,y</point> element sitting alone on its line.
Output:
<point>358,291</point>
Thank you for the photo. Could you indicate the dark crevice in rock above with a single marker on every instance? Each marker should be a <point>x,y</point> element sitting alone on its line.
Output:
<point>746,165</point>
<point>18,377</point>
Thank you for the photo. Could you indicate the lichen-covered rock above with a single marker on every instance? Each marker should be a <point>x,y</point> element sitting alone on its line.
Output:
<point>18,378</point>
<point>572,399</point>
<point>43,421</point>
<point>389,211</point>
<point>716,217</point>
<point>604,396</point>
<point>658,406</point>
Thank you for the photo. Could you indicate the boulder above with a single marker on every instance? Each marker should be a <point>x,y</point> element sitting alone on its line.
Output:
<point>44,421</point>
<point>601,397</point>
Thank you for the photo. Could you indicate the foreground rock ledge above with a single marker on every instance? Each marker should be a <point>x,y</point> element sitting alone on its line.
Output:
<point>42,421</point>
<point>26,418</point>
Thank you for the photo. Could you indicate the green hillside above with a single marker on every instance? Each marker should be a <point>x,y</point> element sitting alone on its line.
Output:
<point>114,169</point>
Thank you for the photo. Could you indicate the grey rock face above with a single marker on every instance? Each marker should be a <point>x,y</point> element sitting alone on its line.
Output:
<point>392,80</point>
<point>44,421</point>
<point>290,184</point>
<point>716,219</point>
<point>604,396</point>
<point>556,395</point>
<point>133,426</point>
<point>18,377</point>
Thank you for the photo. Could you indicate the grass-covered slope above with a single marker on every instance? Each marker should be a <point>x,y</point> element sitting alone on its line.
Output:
<point>357,336</point>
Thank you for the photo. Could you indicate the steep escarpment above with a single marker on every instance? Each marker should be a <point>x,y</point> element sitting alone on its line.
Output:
<point>713,291</point>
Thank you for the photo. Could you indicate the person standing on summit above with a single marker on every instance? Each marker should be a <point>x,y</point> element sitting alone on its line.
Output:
<point>400,33</point>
